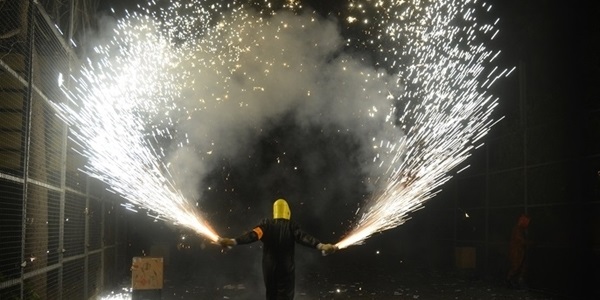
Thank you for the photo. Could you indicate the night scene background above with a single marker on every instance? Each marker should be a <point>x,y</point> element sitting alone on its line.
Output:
<point>542,158</point>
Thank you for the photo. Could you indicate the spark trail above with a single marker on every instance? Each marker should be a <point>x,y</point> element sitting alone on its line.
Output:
<point>171,80</point>
<point>447,110</point>
<point>110,109</point>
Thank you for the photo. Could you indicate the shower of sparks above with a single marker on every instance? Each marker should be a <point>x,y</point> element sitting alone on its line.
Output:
<point>111,108</point>
<point>128,106</point>
<point>125,294</point>
<point>447,111</point>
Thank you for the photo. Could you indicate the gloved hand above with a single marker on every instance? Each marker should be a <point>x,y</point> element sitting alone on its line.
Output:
<point>226,242</point>
<point>327,249</point>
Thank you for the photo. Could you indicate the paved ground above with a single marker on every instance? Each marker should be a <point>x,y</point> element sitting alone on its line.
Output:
<point>344,285</point>
<point>383,288</point>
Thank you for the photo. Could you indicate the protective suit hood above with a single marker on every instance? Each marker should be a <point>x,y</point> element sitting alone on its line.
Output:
<point>281,210</point>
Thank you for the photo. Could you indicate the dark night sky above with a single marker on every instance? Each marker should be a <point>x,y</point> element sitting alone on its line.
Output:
<point>524,24</point>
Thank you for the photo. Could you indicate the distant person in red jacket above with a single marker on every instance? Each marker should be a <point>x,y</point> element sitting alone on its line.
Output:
<point>517,253</point>
<point>279,236</point>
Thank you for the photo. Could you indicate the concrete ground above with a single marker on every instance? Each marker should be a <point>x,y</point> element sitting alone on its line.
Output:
<point>342,285</point>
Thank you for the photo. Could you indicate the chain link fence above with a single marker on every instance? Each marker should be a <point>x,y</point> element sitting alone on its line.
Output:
<point>61,233</point>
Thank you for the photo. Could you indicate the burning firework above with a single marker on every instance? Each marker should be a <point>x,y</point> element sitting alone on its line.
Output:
<point>136,109</point>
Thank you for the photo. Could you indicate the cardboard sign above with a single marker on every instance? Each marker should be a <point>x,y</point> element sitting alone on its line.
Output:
<point>147,273</point>
<point>466,257</point>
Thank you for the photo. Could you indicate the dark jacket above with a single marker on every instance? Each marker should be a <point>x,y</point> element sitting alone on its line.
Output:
<point>279,237</point>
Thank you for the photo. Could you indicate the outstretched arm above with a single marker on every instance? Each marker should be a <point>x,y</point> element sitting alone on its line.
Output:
<point>246,238</point>
<point>310,241</point>
<point>250,236</point>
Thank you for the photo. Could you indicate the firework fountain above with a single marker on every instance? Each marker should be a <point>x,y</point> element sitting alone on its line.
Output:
<point>447,110</point>
<point>131,106</point>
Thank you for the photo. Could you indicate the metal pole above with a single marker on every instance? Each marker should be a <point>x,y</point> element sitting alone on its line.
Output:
<point>27,109</point>
<point>523,117</point>
<point>102,242</point>
<point>86,249</point>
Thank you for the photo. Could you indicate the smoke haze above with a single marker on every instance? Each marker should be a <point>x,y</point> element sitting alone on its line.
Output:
<point>291,115</point>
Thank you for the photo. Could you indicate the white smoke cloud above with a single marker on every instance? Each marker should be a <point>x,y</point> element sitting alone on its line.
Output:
<point>289,66</point>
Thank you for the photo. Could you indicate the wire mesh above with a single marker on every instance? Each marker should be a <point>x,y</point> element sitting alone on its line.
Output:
<point>74,224</point>
<point>11,218</point>
<point>95,224</point>
<point>12,93</point>
<point>110,273</point>
<point>41,286</point>
<point>52,215</point>
<point>94,274</point>
<point>75,179</point>
<point>109,223</point>
<point>54,235</point>
<point>45,151</point>
<point>73,280</point>
<point>97,188</point>
<point>36,229</point>
<point>50,59</point>
<point>42,228</point>
<point>52,286</point>
<point>11,292</point>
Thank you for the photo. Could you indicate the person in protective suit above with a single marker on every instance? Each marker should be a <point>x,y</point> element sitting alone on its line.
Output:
<point>517,253</point>
<point>279,236</point>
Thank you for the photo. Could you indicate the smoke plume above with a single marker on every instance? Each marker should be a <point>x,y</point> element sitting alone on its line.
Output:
<point>281,102</point>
